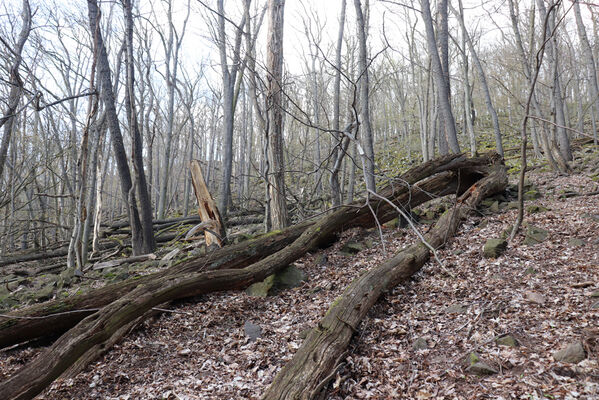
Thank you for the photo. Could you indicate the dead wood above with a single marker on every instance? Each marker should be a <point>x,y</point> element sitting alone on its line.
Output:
<point>56,316</point>
<point>207,208</point>
<point>101,327</point>
<point>315,362</point>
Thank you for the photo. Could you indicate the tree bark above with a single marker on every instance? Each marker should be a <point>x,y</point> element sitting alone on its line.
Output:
<point>442,86</point>
<point>313,365</point>
<point>16,85</point>
<point>274,62</point>
<point>101,326</point>
<point>588,52</point>
<point>120,155</point>
<point>438,177</point>
<point>365,122</point>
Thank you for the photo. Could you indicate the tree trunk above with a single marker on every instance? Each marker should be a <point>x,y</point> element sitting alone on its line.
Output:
<point>120,155</point>
<point>364,90</point>
<point>274,64</point>
<point>101,326</point>
<point>314,364</point>
<point>588,53</point>
<point>483,80</point>
<point>16,86</point>
<point>334,180</point>
<point>442,84</point>
<point>439,177</point>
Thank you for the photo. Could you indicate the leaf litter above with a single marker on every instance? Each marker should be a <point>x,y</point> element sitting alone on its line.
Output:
<point>541,295</point>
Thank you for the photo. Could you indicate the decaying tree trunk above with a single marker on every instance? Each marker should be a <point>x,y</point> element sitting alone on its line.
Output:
<point>443,175</point>
<point>310,370</point>
<point>207,206</point>
<point>452,174</point>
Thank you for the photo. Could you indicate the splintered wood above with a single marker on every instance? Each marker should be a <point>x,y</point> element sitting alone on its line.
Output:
<point>214,229</point>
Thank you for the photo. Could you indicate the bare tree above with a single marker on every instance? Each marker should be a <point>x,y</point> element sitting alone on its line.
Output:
<point>442,86</point>
<point>15,82</point>
<point>274,65</point>
<point>365,122</point>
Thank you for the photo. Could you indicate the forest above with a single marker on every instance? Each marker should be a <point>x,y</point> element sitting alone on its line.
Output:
<point>261,199</point>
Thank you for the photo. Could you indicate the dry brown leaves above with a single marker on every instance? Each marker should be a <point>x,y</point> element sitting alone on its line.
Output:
<point>201,352</point>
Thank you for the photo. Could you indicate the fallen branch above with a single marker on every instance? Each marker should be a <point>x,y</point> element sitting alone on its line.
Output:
<point>240,255</point>
<point>105,326</point>
<point>310,369</point>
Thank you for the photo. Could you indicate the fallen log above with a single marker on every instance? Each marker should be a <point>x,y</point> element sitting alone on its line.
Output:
<point>105,325</point>
<point>56,316</point>
<point>314,364</point>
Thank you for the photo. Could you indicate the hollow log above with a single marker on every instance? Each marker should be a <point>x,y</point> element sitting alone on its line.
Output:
<point>314,364</point>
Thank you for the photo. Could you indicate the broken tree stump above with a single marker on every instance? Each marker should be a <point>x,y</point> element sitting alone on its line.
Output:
<point>314,363</point>
<point>207,207</point>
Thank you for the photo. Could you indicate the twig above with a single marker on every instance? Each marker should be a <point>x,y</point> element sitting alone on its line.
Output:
<point>422,239</point>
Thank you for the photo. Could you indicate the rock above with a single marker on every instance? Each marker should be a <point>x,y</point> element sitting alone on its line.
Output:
<point>566,194</point>
<point>351,248</point>
<point>321,259</point>
<point>595,293</point>
<point>44,293</point>
<point>473,358</point>
<point>535,298</point>
<point>507,340</point>
<point>494,208</point>
<point>420,344</point>
<point>576,242</point>
<point>535,235</point>
<point>481,368</point>
<point>532,195</point>
<point>252,330</point>
<point>493,248</point>
<point>572,353</point>
<point>535,208</point>
<point>260,289</point>
<point>512,205</point>
<point>592,217</point>
<point>530,271</point>
<point>456,309</point>
<point>595,306</point>
<point>394,223</point>
<point>288,278</point>
<point>184,352</point>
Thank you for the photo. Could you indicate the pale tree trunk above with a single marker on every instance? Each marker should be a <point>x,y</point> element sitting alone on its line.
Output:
<point>16,85</point>
<point>469,127</point>
<point>120,155</point>
<point>274,64</point>
<point>556,93</point>
<point>442,84</point>
<point>230,82</point>
<point>588,53</point>
<point>442,38</point>
<point>148,243</point>
<point>483,79</point>
<point>171,45</point>
<point>337,154</point>
<point>364,121</point>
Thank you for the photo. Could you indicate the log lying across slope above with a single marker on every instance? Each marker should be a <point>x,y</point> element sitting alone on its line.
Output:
<point>100,328</point>
<point>438,177</point>
<point>307,374</point>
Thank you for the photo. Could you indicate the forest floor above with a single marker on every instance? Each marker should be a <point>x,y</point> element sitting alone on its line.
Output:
<point>416,343</point>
